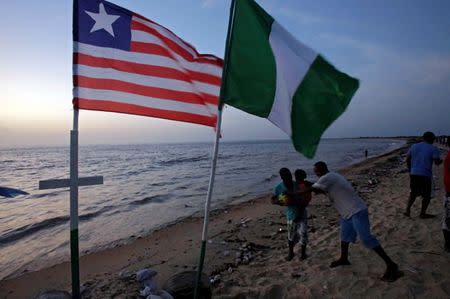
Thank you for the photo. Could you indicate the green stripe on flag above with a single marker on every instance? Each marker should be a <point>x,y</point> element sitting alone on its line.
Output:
<point>323,95</point>
<point>251,71</point>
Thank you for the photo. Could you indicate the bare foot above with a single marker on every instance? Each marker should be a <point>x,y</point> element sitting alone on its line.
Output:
<point>289,257</point>
<point>339,262</point>
<point>427,216</point>
<point>392,274</point>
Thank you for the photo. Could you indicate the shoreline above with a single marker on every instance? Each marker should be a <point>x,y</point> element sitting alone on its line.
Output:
<point>173,248</point>
<point>196,216</point>
<point>233,201</point>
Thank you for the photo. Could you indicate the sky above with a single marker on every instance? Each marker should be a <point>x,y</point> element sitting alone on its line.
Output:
<point>400,51</point>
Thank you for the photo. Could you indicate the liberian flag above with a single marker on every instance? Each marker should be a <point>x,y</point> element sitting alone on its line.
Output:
<point>126,63</point>
<point>270,74</point>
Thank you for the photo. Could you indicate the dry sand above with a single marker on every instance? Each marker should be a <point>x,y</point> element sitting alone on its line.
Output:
<point>415,244</point>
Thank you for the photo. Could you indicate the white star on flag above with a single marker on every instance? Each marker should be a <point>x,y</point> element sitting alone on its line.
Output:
<point>102,20</point>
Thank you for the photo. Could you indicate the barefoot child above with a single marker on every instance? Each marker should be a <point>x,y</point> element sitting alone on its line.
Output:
<point>302,218</point>
<point>283,195</point>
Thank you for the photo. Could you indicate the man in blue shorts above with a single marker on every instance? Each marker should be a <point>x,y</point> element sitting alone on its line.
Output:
<point>420,160</point>
<point>354,218</point>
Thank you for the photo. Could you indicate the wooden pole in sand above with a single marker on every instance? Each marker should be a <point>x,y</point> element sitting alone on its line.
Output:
<point>73,182</point>
<point>215,152</point>
<point>74,250</point>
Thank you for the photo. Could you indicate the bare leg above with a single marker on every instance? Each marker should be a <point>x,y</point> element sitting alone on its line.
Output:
<point>447,239</point>
<point>411,199</point>
<point>291,251</point>
<point>343,260</point>
<point>425,204</point>
<point>392,273</point>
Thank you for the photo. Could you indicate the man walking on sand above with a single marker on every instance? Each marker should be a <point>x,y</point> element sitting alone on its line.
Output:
<point>420,160</point>
<point>354,218</point>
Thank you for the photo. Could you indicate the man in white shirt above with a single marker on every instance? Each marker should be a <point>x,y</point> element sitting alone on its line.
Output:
<point>354,217</point>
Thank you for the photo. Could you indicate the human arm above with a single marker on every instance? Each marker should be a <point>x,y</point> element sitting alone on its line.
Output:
<point>276,192</point>
<point>306,190</point>
<point>280,196</point>
<point>408,160</point>
<point>316,188</point>
<point>437,157</point>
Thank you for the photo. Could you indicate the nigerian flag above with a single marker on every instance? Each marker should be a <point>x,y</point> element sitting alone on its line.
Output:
<point>270,74</point>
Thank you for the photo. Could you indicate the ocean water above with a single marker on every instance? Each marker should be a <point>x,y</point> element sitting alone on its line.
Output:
<point>145,187</point>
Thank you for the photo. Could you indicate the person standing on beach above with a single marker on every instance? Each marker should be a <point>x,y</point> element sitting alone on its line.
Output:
<point>446,217</point>
<point>302,217</point>
<point>419,159</point>
<point>284,195</point>
<point>354,218</point>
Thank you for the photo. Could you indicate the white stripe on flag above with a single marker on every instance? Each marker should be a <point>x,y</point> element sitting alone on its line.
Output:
<point>148,59</point>
<point>292,60</point>
<point>123,97</point>
<point>166,33</point>
<point>172,84</point>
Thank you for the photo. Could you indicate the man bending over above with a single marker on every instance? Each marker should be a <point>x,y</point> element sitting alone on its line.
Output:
<point>354,218</point>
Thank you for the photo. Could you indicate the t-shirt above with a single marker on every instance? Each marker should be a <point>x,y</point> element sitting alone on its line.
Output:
<point>341,194</point>
<point>304,198</point>
<point>422,156</point>
<point>447,173</point>
<point>292,210</point>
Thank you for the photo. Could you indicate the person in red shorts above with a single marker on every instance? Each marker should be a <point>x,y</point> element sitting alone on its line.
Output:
<point>446,217</point>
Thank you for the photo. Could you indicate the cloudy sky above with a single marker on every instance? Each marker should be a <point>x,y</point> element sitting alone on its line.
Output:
<point>400,51</point>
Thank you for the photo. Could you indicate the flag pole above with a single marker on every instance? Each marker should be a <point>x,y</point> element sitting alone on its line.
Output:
<point>74,251</point>
<point>214,158</point>
<point>208,204</point>
<point>74,248</point>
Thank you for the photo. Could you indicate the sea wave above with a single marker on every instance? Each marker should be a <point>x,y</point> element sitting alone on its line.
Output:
<point>27,230</point>
<point>154,199</point>
<point>175,161</point>
<point>30,229</point>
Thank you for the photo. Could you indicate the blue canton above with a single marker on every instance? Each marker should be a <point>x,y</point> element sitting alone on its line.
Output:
<point>83,24</point>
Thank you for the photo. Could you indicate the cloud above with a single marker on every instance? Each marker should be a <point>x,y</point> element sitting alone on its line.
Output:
<point>402,91</point>
<point>209,3</point>
<point>302,17</point>
<point>383,63</point>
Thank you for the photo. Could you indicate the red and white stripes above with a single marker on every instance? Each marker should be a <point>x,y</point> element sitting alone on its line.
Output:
<point>161,76</point>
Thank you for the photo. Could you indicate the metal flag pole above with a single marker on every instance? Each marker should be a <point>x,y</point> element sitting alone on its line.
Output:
<point>74,250</point>
<point>214,159</point>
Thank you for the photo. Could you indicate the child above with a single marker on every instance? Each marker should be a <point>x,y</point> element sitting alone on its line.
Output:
<point>283,195</point>
<point>302,217</point>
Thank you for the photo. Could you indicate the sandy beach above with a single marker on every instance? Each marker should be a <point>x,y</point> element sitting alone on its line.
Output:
<point>257,227</point>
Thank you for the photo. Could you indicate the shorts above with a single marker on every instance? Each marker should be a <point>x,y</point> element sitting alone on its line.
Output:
<point>420,186</point>
<point>358,225</point>
<point>298,229</point>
